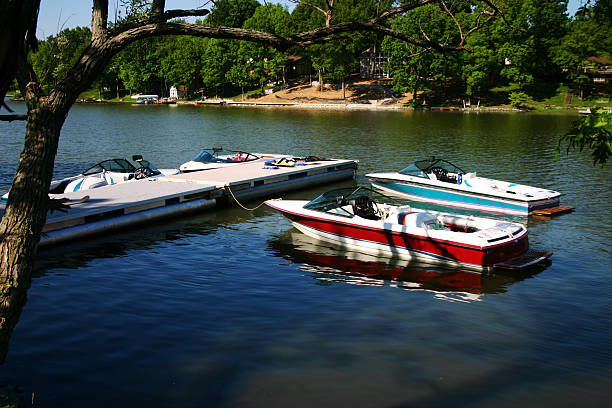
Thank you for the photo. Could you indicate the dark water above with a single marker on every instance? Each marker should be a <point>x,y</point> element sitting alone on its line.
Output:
<point>235,308</point>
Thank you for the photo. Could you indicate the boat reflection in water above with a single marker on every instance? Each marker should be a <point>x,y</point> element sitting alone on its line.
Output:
<point>332,264</point>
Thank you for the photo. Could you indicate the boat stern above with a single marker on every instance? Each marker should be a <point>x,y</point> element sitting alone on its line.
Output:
<point>525,260</point>
<point>506,251</point>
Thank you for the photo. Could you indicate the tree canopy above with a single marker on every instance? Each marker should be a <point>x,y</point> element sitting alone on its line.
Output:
<point>534,41</point>
<point>593,132</point>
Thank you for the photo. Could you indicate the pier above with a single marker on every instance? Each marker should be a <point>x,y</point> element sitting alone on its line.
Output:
<point>140,201</point>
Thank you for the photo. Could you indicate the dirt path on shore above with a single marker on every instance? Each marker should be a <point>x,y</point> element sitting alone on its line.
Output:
<point>356,92</point>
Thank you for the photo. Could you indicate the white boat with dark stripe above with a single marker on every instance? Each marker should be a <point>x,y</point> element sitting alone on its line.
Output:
<point>441,182</point>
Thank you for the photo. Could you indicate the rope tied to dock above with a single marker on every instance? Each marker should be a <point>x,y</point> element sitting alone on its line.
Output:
<point>242,206</point>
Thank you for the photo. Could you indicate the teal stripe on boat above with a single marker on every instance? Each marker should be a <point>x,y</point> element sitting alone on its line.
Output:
<point>451,197</point>
<point>78,186</point>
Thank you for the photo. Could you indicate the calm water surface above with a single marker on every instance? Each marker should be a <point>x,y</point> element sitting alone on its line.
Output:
<point>235,308</point>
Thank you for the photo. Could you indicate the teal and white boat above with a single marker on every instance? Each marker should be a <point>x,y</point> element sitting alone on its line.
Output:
<point>441,182</point>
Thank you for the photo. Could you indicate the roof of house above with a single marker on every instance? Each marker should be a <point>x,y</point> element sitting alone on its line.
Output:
<point>600,60</point>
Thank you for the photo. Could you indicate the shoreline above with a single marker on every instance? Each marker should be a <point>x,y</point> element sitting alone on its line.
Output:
<point>375,105</point>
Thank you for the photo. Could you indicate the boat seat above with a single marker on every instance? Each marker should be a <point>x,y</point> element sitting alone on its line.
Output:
<point>416,219</point>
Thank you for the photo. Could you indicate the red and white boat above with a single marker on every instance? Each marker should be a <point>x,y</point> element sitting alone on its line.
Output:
<point>363,219</point>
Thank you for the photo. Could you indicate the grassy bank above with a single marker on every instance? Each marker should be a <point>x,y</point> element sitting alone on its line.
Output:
<point>541,97</point>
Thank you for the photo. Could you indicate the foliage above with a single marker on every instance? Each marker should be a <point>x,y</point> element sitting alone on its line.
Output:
<point>239,76</point>
<point>534,43</point>
<point>217,59</point>
<point>264,63</point>
<point>180,61</point>
<point>589,34</point>
<point>410,66</point>
<point>339,57</point>
<point>519,100</point>
<point>594,132</point>
<point>231,13</point>
<point>57,54</point>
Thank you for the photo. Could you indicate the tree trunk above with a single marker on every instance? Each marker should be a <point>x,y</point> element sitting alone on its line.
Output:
<point>320,81</point>
<point>26,213</point>
<point>20,18</point>
<point>343,89</point>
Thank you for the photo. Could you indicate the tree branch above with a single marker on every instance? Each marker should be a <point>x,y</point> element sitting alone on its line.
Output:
<point>497,11</point>
<point>403,9</point>
<point>320,35</point>
<point>99,18</point>
<point>19,21</point>
<point>178,28</point>
<point>314,6</point>
<point>476,28</point>
<point>170,14</point>
<point>158,7</point>
<point>447,11</point>
<point>10,118</point>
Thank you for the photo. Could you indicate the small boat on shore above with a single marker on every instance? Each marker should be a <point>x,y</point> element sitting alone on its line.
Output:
<point>363,219</point>
<point>441,182</point>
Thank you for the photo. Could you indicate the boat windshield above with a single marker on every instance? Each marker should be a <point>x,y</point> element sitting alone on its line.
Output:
<point>223,156</point>
<point>422,167</point>
<point>413,170</point>
<point>205,156</point>
<point>116,165</point>
<point>338,201</point>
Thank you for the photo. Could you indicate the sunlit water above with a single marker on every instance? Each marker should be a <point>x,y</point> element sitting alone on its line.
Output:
<point>235,308</point>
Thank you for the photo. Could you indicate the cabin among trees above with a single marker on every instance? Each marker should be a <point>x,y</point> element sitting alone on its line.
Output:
<point>298,67</point>
<point>599,70</point>
<point>372,63</point>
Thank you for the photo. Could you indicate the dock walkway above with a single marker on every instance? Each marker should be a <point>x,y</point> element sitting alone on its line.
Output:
<point>139,201</point>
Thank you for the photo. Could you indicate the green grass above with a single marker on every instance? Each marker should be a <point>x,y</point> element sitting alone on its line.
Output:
<point>543,96</point>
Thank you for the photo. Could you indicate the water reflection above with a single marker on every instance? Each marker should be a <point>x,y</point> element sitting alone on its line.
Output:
<point>331,264</point>
<point>186,230</point>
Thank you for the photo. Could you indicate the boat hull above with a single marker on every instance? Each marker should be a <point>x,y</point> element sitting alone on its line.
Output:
<point>391,243</point>
<point>464,199</point>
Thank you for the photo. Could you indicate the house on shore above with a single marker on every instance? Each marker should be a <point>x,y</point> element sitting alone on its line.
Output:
<point>599,70</point>
<point>372,63</point>
<point>297,67</point>
<point>179,92</point>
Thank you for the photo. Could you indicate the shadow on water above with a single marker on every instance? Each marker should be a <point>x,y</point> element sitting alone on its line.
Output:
<point>79,253</point>
<point>332,264</point>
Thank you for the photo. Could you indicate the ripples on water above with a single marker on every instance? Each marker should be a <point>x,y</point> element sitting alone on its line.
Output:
<point>238,309</point>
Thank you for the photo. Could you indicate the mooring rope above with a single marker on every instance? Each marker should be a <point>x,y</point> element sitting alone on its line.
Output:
<point>242,206</point>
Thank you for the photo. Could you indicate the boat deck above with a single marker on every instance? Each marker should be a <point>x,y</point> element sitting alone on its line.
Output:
<point>140,201</point>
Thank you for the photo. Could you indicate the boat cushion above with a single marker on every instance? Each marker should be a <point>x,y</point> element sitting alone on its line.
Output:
<point>416,219</point>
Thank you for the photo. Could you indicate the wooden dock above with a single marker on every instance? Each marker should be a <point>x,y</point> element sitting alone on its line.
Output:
<point>141,201</point>
<point>552,211</point>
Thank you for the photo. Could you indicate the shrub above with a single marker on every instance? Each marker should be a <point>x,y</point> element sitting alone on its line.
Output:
<point>519,100</point>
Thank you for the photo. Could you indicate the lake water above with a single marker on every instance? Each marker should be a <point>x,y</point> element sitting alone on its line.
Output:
<point>235,308</point>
